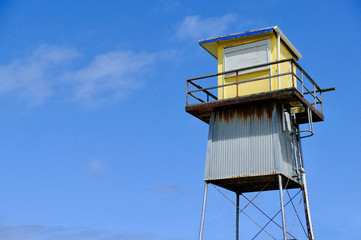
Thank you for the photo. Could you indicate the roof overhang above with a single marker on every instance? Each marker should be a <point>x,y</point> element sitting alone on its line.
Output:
<point>211,44</point>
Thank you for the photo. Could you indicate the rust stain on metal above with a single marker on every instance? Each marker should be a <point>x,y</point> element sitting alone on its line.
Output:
<point>282,96</point>
<point>247,111</point>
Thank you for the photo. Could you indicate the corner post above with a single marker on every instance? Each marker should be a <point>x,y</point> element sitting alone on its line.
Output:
<point>282,208</point>
<point>237,217</point>
<point>203,210</point>
<point>307,205</point>
<point>187,92</point>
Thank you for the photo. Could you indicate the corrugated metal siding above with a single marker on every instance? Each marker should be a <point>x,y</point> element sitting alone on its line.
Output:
<point>248,141</point>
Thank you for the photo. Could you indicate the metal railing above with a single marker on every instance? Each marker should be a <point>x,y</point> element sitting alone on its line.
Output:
<point>301,81</point>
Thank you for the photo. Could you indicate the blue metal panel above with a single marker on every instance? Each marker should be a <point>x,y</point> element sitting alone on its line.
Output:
<point>236,35</point>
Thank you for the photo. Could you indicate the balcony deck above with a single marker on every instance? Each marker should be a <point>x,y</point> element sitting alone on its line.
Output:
<point>287,96</point>
<point>303,94</point>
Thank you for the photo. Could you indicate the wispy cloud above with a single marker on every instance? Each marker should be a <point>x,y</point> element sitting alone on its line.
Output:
<point>54,71</point>
<point>110,77</point>
<point>168,189</point>
<point>96,167</point>
<point>166,7</point>
<point>67,234</point>
<point>195,27</point>
<point>130,237</point>
<point>27,232</point>
<point>31,79</point>
<point>40,232</point>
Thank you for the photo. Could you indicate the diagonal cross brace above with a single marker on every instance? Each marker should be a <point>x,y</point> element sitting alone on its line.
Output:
<point>271,219</point>
<point>275,215</point>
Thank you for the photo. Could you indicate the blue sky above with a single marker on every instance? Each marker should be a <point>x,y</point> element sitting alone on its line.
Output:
<point>96,145</point>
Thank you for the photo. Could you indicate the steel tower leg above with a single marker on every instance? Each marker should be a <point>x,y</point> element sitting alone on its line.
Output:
<point>307,206</point>
<point>282,208</point>
<point>305,194</point>
<point>237,217</point>
<point>203,210</point>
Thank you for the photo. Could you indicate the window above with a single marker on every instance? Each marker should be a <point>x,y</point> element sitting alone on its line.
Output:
<point>246,55</point>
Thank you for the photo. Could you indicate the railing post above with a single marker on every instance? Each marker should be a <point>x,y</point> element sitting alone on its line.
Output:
<point>293,80</point>
<point>282,208</point>
<point>315,96</point>
<point>298,74</point>
<point>237,216</point>
<point>279,77</point>
<point>237,83</point>
<point>270,78</point>
<point>321,102</point>
<point>187,92</point>
<point>203,210</point>
<point>223,90</point>
<point>302,82</point>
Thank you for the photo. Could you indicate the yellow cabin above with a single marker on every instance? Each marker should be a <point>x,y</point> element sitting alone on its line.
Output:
<point>250,62</point>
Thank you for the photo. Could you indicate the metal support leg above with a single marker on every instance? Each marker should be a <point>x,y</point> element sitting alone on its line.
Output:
<point>237,217</point>
<point>282,208</point>
<point>307,206</point>
<point>305,195</point>
<point>203,210</point>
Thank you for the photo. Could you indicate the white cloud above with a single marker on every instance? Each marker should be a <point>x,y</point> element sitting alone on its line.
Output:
<point>130,237</point>
<point>51,71</point>
<point>168,189</point>
<point>27,232</point>
<point>195,27</point>
<point>96,167</point>
<point>40,232</point>
<point>30,79</point>
<point>110,77</point>
<point>166,7</point>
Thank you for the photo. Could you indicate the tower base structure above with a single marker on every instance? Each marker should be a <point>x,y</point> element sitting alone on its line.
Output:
<point>287,203</point>
<point>255,148</point>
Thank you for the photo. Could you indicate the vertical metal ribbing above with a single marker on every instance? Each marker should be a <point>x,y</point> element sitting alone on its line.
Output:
<point>282,208</point>
<point>237,217</point>
<point>203,210</point>
<point>283,118</point>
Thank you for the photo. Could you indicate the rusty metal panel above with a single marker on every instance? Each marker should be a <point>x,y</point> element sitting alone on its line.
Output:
<point>249,141</point>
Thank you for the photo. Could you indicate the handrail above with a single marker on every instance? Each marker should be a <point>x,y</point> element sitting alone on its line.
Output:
<point>296,71</point>
<point>202,89</point>
<point>235,83</point>
<point>323,90</point>
<point>306,74</point>
<point>241,69</point>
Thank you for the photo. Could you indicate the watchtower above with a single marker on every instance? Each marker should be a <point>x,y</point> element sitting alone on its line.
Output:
<point>259,106</point>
